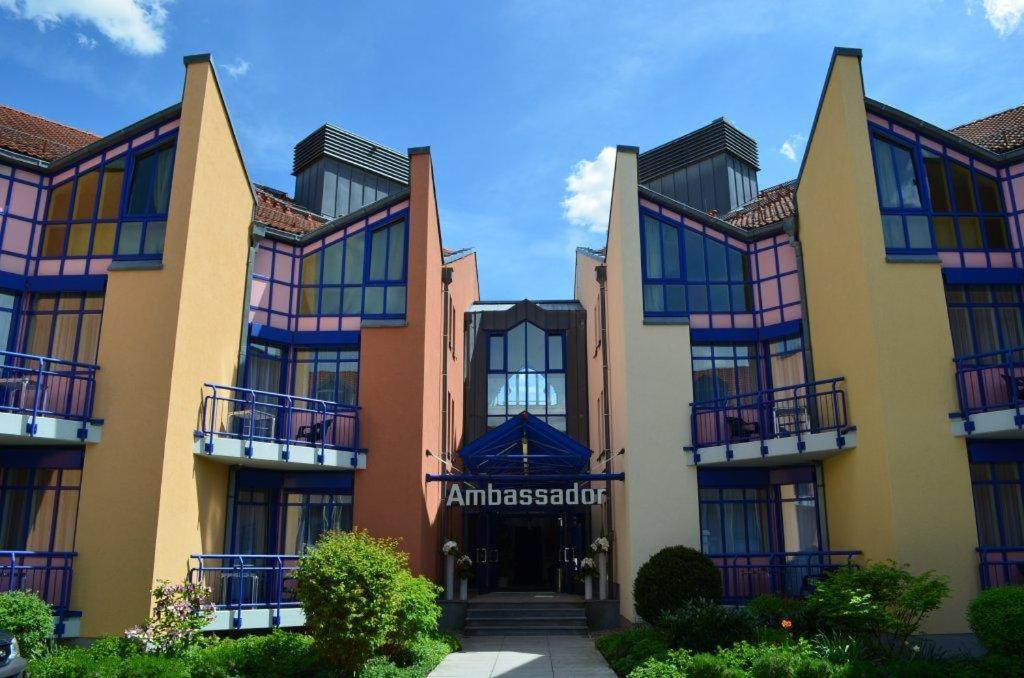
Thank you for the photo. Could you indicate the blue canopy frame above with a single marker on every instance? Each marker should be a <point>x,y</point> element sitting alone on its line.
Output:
<point>525,446</point>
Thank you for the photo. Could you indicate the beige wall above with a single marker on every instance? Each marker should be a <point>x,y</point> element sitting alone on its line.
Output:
<point>650,390</point>
<point>165,332</point>
<point>904,492</point>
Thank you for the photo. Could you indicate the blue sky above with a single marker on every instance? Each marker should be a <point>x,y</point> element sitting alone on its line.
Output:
<point>516,99</point>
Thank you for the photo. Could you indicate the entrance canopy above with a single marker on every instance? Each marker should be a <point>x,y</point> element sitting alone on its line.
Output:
<point>525,445</point>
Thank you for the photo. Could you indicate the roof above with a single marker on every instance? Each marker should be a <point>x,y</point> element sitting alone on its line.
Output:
<point>771,205</point>
<point>999,132</point>
<point>38,137</point>
<point>275,209</point>
<point>525,445</point>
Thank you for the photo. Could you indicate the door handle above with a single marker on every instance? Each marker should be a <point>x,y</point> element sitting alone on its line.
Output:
<point>494,556</point>
<point>565,554</point>
<point>481,556</point>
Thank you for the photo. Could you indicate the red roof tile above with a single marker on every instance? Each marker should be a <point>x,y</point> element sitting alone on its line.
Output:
<point>999,132</point>
<point>38,137</point>
<point>771,205</point>
<point>277,210</point>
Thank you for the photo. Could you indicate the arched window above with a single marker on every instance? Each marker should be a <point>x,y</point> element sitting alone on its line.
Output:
<point>526,372</point>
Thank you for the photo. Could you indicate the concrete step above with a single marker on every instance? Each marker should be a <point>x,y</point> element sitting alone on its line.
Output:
<point>535,622</point>
<point>503,614</point>
<point>515,607</point>
<point>574,630</point>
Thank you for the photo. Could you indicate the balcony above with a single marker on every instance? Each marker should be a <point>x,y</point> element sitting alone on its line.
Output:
<point>46,400</point>
<point>990,395</point>
<point>48,573</point>
<point>784,425</point>
<point>275,430</point>
<point>1000,566</point>
<point>786,574</point>
<point>249,591</point>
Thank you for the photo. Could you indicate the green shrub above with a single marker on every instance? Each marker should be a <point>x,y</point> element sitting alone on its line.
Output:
<point>360,600</point>
<point>770,611</point>
<point>421,656</point>
<point>702,625</point>
<point>29,618</point>
<point>626,650</point>
<point>180,612</point>
<point>997,619</point>
<point>278,654</point>
<point>80,663</point>
<point>672,576</point>
<point>839,649</point>
<point>793,660</point>
<point>883,602</point>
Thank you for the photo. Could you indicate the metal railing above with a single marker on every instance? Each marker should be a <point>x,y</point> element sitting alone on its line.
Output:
<point>47,573</point>
<point>790,574</point>
<point>1000,566</point>
<point>39,386</point>
<point>246,582</point>
<point>990,381</point>
<point>796,410</point>
<point>252,416</point>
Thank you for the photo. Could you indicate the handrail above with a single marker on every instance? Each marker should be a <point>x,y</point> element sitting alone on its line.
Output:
<point>989,381</point>
<point>792,410</point>
<point>786,573</point>
<point>59,388</point>
<point>269,579</point>
<point>253,415</point>
<point>1000,571</point>
<point>48,573</point>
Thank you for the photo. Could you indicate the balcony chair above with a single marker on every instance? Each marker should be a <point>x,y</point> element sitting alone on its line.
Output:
<point>1013,383</point>
<point>315,433</point>
<point>739,428</point>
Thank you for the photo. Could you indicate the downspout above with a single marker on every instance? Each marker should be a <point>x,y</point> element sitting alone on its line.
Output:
<point>447,275</point>
<point>601,272</point>
<point>255,233</point>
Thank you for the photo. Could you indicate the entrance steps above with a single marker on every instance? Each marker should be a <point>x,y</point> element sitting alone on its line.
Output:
<point>526,618</point>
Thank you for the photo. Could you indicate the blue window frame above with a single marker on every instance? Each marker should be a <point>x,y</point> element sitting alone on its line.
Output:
<point>526,372</point>
<point>327,374</point>
<point>39,507</point>
<point>362,274</point>
<point>997,481</point>
<point>687,272</point>
<point>65,325</point>
<point>146,203</point>
<point>985,318</point>
<point>955,207</point>
<point>723,370</point>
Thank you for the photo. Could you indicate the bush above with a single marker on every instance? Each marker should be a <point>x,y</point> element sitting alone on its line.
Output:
<point>360,600</point>
<point>671,577</point>
<point>278,654</point>
<point>997,619</point>
<point>703,626</point>
<point>78,663</point>
<point>626,650</point>
<point>180,612</point>
<point>883,602</point>
<point>420,658</point>
<point>770,611</point>
<point>29,618</point>
<point>795,660</point>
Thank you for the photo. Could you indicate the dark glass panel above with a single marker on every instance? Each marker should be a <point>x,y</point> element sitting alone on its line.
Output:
<point>963,189</point>
<point>885,174</point>
<point>938,186</point>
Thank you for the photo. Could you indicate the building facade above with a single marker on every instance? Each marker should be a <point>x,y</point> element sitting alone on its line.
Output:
<point>200,375</point>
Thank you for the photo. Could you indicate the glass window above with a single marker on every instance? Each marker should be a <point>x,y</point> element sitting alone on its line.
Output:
<point>533,379</point>
<point>60,327</point>
<point>885,172</point>
<point>38,508</point>
<point>496,353</point>
<point>150,189</point>
<point>386,295</point>
<point>938,183</point>
<point>327,374</point>
<point>85,195</point>
<point>963,190</point>
<point>110,192</point>
<point>60,202</point>
<point>985,318</point>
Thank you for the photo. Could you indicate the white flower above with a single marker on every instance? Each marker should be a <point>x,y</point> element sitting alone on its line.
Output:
<point>450,548</point>
<point>600,545</point>
<point>587,563</point>
<point>465,560</point>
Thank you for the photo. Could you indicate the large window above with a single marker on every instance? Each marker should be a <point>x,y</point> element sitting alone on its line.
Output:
<point>985,318</point>
<point>361,274</point>
<point>327,374</point>
<point>526,372</point>
<point>65,325</point>
<point>724,370</point>
<point>753,511</point>
<point>687,272</point>
<point>307,515</point>
<point>957,207</point>
<point>999,501</point>
<point>38,508</point>
<point>95,214</point>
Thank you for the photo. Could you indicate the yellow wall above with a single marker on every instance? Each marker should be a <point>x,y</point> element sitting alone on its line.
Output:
<point>650,390</point>
<point>147,503</point>
<point>904,492</point>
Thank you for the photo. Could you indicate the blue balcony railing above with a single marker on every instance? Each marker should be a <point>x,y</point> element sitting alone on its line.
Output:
<point>1000,566</point>
<point>246,582</point>
<point>787,574</point>
<point>48,573</point>
<point>796,410</point>
<point>253,416</point>
<point>990,381</point>
<point>38,386</point>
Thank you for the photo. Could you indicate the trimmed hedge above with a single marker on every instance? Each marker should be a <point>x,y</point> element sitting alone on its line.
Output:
<point>703,626</point>
<point>671,577</point>
<point>29,618</point>
<point>997,619</point>
<point>626,650</point>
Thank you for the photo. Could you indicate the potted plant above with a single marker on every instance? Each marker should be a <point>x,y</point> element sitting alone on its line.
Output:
<point>586,571</point>
<point>450,549</point>
<point>464,571</point>
<point>600,548</point>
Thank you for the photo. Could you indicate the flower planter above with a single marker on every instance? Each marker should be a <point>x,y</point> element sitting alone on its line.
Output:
<point>449,577</point>
<point>602,575</point>
<point>463,589</point>
<point>588,588</point>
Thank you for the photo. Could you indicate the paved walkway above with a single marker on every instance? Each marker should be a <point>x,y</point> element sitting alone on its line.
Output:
<point>525,657</point>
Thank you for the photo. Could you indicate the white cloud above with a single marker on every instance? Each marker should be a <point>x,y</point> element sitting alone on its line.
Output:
<point>134,25</point>
<point>589,191</point>
<point>1004,15</point>
<point>85,41</point>
<point>237,69</point>
<point>791,145</point>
